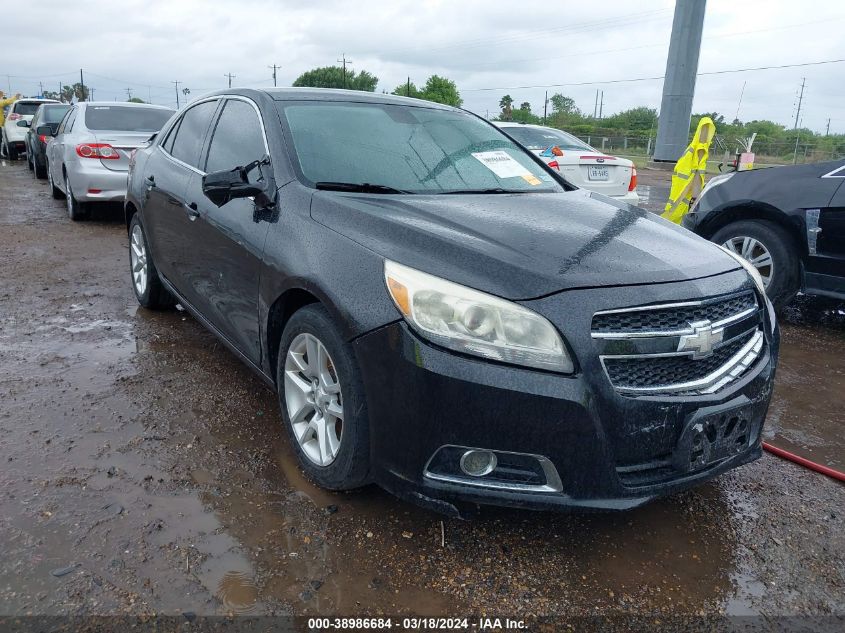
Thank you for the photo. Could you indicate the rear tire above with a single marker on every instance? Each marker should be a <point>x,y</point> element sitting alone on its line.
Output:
<point>40,170</point>
<point>784,273</point>
<point>74,208</point>
<point>29,164</point>
<point>330,384</point>
<point>146,283</point>
<point>54,190</point>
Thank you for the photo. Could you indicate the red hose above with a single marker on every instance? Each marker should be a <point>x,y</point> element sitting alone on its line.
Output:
<point>825,470</point>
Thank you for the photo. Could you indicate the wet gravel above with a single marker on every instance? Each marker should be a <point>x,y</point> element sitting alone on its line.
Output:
<point>143,471</point>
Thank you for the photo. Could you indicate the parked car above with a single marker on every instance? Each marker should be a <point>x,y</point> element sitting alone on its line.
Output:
<point>442,313</point>
<point>16,124</point>
<point>579,163</point>
<point>88,159</point>
<point>36,144</point>
<point>789,222</point>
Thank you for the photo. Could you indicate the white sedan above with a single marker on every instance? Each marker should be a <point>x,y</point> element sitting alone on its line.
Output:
<point>580,164</point>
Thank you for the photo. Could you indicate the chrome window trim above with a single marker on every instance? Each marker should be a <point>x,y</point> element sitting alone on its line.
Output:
<point>553,481</point>
<point>741,361</point>
<point>255,107</point>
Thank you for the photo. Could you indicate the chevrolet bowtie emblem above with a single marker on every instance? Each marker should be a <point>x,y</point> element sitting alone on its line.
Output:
<point>702,341</point>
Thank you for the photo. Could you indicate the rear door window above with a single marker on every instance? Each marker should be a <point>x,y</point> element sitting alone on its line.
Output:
<point>238,138</point>
<point>191,133</point>
<point>67,124</point>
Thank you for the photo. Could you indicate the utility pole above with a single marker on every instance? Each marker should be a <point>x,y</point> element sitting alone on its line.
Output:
<point>800,99</point>
<point>344,61</point>
<point>408,88</point>
<point>129,93</point>
<point>679,82</point>
<point>41,87</point>
<point>596,105</point>
<point>176,83</point>
<point>91,94</point>
<point>545,106</point>
<point>827,129</point>
<point>82,86</point>
<point>601,104</point>
<point>230,76</point>
<point>274,67</point>
<point>741,93</point>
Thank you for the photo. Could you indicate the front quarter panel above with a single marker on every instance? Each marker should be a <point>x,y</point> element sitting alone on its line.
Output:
<point>347,278</point>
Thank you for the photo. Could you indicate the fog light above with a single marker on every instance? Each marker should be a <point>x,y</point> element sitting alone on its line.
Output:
<point>478,463</point>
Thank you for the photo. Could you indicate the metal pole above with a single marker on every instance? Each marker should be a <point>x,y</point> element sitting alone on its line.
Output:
<point>176,85</point>
<point>800,99</point>
<point>81,86</point>
<point>679,84</point>
<point>545,106</point>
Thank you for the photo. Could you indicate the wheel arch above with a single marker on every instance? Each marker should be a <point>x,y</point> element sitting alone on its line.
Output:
<point>752,210</point>
<point>280,312</point>
<point>129,211</point>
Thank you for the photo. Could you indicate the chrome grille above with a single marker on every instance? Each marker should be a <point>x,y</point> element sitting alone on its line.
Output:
<point>692,347</point>
<point>674,317</point>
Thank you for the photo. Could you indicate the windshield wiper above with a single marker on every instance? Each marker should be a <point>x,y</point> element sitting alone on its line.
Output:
<point>359,187</point>
<point>490,190</point>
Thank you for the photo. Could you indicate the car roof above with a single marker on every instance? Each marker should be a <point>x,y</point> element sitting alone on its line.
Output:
<point>36,100</point>
<point>121,104</point>
<point>329,94</point>
<point>518,124</point>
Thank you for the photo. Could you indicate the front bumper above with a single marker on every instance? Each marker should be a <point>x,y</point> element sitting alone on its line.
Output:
<point>610,452</point>
<point>91,182</point>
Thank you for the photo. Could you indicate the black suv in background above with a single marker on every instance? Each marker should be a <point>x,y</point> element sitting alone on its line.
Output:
<point>440,312</point>
<point>789,222</point>
<point>36,144</point>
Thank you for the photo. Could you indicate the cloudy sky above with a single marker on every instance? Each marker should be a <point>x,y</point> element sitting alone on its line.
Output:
<point>489,47</point>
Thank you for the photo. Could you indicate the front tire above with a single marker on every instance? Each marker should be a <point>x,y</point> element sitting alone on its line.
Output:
<point>322,401</point>
<point>40,170</point>
<point>770,249</point>
<point>146,283</point>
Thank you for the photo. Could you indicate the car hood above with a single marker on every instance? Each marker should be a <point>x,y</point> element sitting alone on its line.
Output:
<point>523,246</point>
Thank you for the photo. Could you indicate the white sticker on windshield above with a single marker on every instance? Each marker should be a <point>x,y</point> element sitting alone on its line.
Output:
<point>502,164</point>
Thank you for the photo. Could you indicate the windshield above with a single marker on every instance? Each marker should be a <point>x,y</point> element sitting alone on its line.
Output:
<point>54,114</point>
<point>26,108</point>
<point>126,118</point>
<point>408,149</point>
<point>543,137</point>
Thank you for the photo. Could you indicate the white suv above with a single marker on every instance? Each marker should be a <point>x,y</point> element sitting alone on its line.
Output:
<point>14,132</point>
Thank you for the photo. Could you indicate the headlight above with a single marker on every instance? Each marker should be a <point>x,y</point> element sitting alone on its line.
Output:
<point>749,267</point>
<point>473,322</point>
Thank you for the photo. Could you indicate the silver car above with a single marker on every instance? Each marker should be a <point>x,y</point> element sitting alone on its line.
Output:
<point>88,160</point>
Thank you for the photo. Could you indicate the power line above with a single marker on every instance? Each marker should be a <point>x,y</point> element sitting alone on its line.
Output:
<point>636,79</point>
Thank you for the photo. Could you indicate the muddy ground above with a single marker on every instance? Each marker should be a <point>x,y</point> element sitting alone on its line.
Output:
<point>143,470</point>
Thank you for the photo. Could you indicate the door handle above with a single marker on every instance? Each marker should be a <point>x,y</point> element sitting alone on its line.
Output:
<point>192,210</point>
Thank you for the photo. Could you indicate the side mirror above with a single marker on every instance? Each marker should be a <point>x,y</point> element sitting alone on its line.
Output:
<point>23,123</point>
<point>222,186</point>
<point>45,130</point>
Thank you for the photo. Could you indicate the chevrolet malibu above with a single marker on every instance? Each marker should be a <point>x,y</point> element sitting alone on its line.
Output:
<point>441,313</point>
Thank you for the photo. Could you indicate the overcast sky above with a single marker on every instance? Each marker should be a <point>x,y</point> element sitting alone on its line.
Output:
<point>144,45</point>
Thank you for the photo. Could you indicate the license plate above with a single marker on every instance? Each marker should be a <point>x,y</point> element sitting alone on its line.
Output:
<point>715,433</point>
<point>598,172</point>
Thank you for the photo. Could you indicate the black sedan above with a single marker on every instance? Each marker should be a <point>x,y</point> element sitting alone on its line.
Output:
<point>440,312</point>
<point>36,144</point>
<point>789,222</point>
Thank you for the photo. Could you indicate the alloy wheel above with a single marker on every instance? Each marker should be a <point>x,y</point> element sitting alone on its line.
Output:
<point>138,259</point>
<point>755,252</point>
<point>313,399</point>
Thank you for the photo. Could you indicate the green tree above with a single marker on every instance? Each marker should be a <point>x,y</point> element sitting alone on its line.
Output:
<point>49,94</point>
<point>436,88</point>
<point>407,89</point>
<point>562,104</point>
<point>333,77</point>
<point>442,90</point>
<point>525,106</point>
<point>136,100</point>
<point>76,91</point>
<point>506,104</point>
